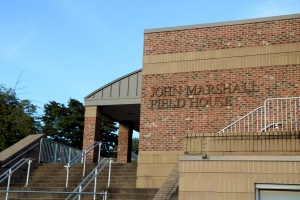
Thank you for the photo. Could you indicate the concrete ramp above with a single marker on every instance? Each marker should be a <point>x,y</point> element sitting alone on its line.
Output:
<point>169,190</point>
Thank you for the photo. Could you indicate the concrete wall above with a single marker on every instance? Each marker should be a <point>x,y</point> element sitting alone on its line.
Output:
<point>154,167</point>
<point>265,143</point>
<point>233,178</point>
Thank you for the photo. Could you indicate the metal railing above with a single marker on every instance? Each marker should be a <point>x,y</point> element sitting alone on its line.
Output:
<point>82,157</point>
<point>251,122</point>
<point>54,152</point>
<point>275,114</point>
<point>282,111</point>
<point>7,174</point>
<point>104,194</point>
<point>92,176</point>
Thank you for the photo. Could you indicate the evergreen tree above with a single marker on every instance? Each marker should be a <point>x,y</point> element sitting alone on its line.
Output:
<point>18,118</point>
<point>135,145</point>
<point>65,124</point>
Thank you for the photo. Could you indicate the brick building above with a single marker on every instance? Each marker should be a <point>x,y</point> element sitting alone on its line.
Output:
<point>195,81</point>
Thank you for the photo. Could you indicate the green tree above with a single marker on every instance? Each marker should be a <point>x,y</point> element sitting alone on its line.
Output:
<point>108,137</point>
<point>65,124</point>
<point>135,145</point>
<point>18,118</point>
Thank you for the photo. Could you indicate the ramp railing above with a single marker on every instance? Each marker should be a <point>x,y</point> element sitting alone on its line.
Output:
<point>7,174</point>
<point>276,114</point>
<point>54,152</point>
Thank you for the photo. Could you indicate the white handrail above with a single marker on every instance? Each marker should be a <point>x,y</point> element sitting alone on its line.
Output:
<point>253,111</point>
<point>82,157</point>
<point>96,172</point>
<point>55,192</point>
<point>283,112</point>
<point>8,173</point>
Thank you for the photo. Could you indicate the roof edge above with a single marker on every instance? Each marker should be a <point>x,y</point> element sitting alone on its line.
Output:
<point>134,72</point>
<point>226,23</point>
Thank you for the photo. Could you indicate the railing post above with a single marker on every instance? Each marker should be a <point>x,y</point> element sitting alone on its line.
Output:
<point>8,183</point>
<point>55,153</point>
<point>265,115</point>
<point>105,195</point>
<point>109,171</point>
<point>41,142</point>
<point>28,171</point>
<point>84,161</point>
<point>99,152</point>
<point>79,191</point>
<point>70,153</point>
<point>95,185</point>
<point>67,178</point>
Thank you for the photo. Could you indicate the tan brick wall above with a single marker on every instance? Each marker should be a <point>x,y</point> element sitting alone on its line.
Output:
<point>265,143</point>
<point>232,180</point>
<point>154,167</point>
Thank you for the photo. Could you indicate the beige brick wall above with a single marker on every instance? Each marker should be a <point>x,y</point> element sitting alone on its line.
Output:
<point>234,180</point>
<point>265,143</point>
<point>154,167</point>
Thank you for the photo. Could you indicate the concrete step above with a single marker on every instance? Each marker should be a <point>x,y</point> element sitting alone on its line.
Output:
<point>52,177</point>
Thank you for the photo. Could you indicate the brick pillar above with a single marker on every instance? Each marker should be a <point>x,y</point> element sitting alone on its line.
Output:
<point>92,125</point>
<point>124,143</point>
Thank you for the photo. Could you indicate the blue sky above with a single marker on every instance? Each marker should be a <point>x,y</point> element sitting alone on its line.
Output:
<point>68,48</point>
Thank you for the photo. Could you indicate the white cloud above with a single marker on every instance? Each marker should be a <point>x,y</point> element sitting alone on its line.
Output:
<point>271,8</point>
<point>13,50</point>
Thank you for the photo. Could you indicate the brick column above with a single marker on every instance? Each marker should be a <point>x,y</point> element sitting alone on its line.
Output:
<point>92,125</point>
<point>124,143</point>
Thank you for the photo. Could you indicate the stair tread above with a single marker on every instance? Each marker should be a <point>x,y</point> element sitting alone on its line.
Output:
<point>52,177</point>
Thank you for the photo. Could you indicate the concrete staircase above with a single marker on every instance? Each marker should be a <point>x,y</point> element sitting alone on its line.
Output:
<point>52,177</point>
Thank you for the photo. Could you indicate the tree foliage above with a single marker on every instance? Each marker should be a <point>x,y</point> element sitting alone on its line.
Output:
<point>18,118</point>
<point>135,145</point>
<point>65,124</point>
<point>108,137</point>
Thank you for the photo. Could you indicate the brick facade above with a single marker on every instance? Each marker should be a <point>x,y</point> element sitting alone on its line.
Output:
<point>222,37</point>
<point>92,127</point>
<point>124,143</point>
<point>166,126</point>
<point>198,101</point>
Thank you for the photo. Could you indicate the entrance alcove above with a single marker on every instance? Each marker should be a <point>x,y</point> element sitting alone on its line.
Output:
<point>120,100</point>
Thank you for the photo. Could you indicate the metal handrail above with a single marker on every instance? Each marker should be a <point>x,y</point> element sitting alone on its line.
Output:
<point>10,171</point>
<point>275,111</point>
<point>95,172</point>
<point>55,192</point>
<point>21,154</point>
<point>82,157</point>
<point>286,115</point>
<point>270,125</point>
<point>53,152</point>
<point>256,109</point>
